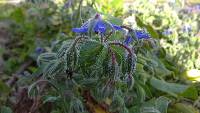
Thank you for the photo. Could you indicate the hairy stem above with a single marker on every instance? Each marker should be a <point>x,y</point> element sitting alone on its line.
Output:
<point>122,45</point>
<point>113,56</point>
<point>108,36</point>
<point>126,27</point>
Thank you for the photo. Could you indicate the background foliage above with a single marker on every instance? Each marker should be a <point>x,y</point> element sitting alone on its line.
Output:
<point>35,34</point>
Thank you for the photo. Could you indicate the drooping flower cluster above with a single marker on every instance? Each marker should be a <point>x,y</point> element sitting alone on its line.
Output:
<point>100,26</point>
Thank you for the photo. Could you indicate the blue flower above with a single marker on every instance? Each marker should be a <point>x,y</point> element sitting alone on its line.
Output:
<point>140,34</point>
<point>39,50</point>
<point>167,32</point>
<point>98,27</point>
<point>196,8</point>
<point>187,28</point>
<point>128,40</point>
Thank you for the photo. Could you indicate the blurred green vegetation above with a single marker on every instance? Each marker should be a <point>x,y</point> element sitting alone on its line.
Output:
<point>163,82</point>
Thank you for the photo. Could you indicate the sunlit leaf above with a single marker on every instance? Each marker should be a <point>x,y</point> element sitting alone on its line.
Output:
<point>182,108</point>
<point>190,93</point>
<point>148,27</point>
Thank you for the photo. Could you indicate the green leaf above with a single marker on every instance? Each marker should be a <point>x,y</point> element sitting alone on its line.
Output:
<point>4,88</point>
<point>89,52</point>
<point>50,99</point>
<point>162,104</point>
<point>90,82</point>
<point>114,20</point>
<point>18,15</point>
<point>117,4</point>
<point>53,68</point>
<point>149,110</point>
<point>141,94</point>
<point>119,53</point>
<point>1,51</point>
<point>170,88</point>
<point>46,58</point>
<point>160,69</point>
<point>154,64</point>
<point>149,28</point>
<point>182,108</point>
<point>5,109</point>
<point>190,93</point>
<point>153,33</point>
<point>76,106</point>
<point>139,22</point>
<point>158,105</point>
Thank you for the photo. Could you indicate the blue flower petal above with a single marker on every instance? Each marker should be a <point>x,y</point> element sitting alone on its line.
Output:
<point>116,27</point>
<point>187,28</point>
<point>141,34</point>
<point>128,40</point>
<point>80,30</point>
<point>100,27</point>
<point>39,50</point>
<point>167,32</point>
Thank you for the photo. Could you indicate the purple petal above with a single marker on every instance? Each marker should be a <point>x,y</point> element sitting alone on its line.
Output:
<point>39,50</point>
<point>100,27</point>
<point>167,32</point>
<point>141,34</point>
<point>116,27</point>
<point>80,30</point>
<point>128,40</point>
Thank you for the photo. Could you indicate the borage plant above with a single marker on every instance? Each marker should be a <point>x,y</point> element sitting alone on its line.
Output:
<point>94,73</point>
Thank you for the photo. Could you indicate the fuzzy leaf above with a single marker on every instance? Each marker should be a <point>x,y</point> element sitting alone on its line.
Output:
<point>149,28</point>
<point>89,52</point>
<point>45,58</point>
<point>170,88</point>
<point>162,104</point>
